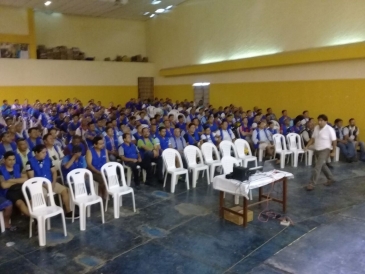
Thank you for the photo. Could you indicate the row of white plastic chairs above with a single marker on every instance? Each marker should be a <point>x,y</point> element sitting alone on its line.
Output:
<point>42,207</point>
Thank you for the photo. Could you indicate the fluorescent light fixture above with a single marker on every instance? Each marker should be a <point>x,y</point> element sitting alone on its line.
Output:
<point>47,3</point>
<point>204,84</point>
<point>152,15</point>
<point>155,2</point>
<point>250,54</point>
<point>160,10</point>
<point>146,13</point>
<point>169,7</point>
<point>346,40</point>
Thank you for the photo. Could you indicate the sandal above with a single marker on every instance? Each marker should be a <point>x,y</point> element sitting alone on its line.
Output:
<point>310,187</point>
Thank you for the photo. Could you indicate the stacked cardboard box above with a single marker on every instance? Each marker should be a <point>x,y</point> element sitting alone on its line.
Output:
<point>60,53</point>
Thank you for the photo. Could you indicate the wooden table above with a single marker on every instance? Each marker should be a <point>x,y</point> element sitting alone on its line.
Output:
<point>262,196</point>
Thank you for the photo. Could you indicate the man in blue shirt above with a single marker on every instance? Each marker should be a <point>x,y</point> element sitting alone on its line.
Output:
<point>131,157</point>
<point>73,161</point>
<point>42,166</point>
<point>164,139</point>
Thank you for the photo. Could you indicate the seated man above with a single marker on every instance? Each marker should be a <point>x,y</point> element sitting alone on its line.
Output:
<point>33,138</point>
<point>181,123</point>
<point>90,134</point>
<point>73,161</point>
<point>208,136</point>
<point>178,142</point>
<point>284,117</point>
<point>53,151</point>
<point>96,157</point>
<point>272,128</point>
<point>163,139</point>
<point>262,139</point>
<point>351,134</point>
<point>6,144</point>
<point>131,157</point>
<point>225,133</point>
<point>297,127</point>
<point>22,154</point>
<point>346,147</point>
<point>286,128</point>
<point>307,133</point>
<point>42,166</point>
<point>111,144</point>
<point>149,150</point>
<point>11,180</point>
<point>192,137</point>
<point>76,141</point>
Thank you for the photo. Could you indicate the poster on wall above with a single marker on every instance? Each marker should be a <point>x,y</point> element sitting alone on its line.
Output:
<point>9,50</point>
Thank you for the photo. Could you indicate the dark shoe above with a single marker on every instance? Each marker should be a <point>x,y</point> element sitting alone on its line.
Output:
<point>349,160</point>
<point>69,215</point>
<point>310,187</point>
<point>329,182</point>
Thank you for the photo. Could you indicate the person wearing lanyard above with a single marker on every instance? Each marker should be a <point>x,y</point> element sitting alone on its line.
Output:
<point>73,161</point>
<point>42,166</point>
<point>96,157</point>
<point>164,140</point>
<point>190,137</point>
<point>179,143</point>
<point>149,150</point>
<point>111,144</point>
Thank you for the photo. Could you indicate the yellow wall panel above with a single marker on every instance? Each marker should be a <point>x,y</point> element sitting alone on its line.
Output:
<point>105,94</point>
<point>179,92</point>
<point>335,98</point>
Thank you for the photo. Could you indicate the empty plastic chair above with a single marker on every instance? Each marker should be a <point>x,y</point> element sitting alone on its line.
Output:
<point>192,153</point>
<point>77,184</point>
<point>116,189</point>
<point>280,148</point>
<point>228,162</point>
<point>208,150</point>
<point>169,157</point>
<point>226,148</point>
<point>244,152</point>
<point>295,145</point>
<point>38,207</point>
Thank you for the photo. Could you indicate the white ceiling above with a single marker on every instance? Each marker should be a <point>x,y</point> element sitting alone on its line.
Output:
<point>99,8</point>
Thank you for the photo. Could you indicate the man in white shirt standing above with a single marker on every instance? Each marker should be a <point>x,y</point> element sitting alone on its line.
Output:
<point>324,140</point>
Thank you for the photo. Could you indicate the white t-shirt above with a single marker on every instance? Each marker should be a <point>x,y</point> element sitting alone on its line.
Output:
<point>227,135</point>
<point>323,137</point>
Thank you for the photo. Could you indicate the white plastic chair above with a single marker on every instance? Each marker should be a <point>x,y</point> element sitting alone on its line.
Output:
<point>308,154</point>
<point>280,148</point>
<point>208,149</point>
<point>38,207</point>
<point>227,163</point>
<point>226,148</point>
<point>114,188</point>
<point>295,145</point>
<point>77,184</point>
<point>2,222</point>
<point>169,156</point>
<point>191,154</point>
<point>243,147</point>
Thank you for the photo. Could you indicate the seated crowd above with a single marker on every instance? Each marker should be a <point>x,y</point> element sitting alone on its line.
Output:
<point>51,139</point>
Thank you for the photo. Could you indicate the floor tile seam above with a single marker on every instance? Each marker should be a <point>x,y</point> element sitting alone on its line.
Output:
<point>256,249</point>
<point>334,211</point>
<point>184,222</point>
<point>116,256</point>
<point>277,268</point>
<point>39,268</point>
<point>162,200</point>
<point>12,259</point>
<point>188,256</point>
<point>351,217</point>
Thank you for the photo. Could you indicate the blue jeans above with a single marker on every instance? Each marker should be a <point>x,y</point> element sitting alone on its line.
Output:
<point>347,150</point>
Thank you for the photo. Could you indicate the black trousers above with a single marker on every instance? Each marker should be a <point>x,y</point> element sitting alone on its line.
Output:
<point>148,158</point>
<point>135,171</point>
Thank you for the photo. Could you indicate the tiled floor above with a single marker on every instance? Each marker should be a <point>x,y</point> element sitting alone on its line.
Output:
<point>181,233</point>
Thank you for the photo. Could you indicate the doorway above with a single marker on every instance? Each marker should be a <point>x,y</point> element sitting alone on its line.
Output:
<point>201,93</point>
